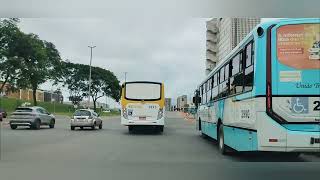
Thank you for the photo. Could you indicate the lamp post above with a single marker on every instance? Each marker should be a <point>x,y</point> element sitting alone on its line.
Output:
<point>89,93</point>
<point>125,76</point>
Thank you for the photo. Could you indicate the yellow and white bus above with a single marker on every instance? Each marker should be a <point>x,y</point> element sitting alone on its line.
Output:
<point>142,104</point>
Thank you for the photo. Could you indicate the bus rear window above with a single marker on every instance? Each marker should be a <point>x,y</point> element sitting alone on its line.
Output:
<point>298,46</point>
<point>143,91</point>
<point>23,110</point>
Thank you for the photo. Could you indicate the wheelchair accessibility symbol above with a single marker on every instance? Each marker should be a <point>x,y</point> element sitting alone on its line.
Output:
<point>299,105</point>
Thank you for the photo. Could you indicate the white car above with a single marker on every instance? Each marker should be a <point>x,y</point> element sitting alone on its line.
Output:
<point>85,118</point>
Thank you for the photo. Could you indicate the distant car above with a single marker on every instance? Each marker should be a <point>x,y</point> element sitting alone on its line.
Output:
<point>3,112</point>
<point>33,117</point>
<point>107,111</point>
<point>85,118</point>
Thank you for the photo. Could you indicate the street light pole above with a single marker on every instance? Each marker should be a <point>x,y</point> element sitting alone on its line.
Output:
<point>125,76</point>
<point>89,93</point>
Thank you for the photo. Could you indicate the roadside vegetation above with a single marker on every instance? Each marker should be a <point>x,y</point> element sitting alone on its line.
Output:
<point>26,62</point>
<point>10,104</point>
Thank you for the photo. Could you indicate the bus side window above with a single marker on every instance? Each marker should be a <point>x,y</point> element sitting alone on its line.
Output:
<point>212,85</point>
<point>236,76</point>
<point>201,94</point>
<point>225,84</point>
<point>215,88</point>
<point>248,72</point>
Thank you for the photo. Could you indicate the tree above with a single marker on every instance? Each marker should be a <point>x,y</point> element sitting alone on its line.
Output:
<point>41,61</point>
<point>103,83</point>
<point>10,63</point>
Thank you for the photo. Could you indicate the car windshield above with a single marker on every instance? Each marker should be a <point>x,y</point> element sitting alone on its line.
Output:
<point>23,110</point>
<point>82,113</point>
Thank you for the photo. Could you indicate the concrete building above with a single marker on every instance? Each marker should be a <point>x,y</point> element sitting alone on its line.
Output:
<point>182,102</point>
<point>224,34</point>
<point>168,104</point>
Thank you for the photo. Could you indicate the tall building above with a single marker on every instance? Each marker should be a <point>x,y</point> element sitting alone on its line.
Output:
<point>224,34</point>
<point>182,102</point>
<point>168,104</point>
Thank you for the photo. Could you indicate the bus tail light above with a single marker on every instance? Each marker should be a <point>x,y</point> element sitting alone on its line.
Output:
<point>125,113</point>
<point>160,113</point>
<point>273,140</point>
<point>269,103</point>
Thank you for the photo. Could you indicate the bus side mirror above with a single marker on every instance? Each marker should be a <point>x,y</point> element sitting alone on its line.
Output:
<point>194,100</point>
<point>199,99</point>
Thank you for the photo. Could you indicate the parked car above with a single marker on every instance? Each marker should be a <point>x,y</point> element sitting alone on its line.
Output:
<point>85,118</point>
<point>3,112</point>
<point>33,117</point>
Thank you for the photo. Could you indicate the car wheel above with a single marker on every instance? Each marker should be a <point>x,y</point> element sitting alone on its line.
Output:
<point>100,126</point>
<point>13,126</point>
<point>72,128</point>
<point>222,146</point>
<point>52,123</point>
<point>36,125</point>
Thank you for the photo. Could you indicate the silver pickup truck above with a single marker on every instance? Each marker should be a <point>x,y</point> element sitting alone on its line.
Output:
<point>33,117</point>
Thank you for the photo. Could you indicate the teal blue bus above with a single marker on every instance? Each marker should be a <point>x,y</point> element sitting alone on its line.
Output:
<point>265,94</point>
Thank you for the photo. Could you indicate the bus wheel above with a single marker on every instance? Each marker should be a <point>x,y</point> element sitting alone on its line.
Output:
<point>222,146</point>
<point>160,129</point>
<point>130,128</point>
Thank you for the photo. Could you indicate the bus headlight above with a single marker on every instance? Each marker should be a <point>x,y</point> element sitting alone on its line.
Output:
<point>160,113</point>
<point>124,113</point>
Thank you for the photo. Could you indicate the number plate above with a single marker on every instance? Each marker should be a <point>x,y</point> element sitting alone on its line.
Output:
<point>142,118</point>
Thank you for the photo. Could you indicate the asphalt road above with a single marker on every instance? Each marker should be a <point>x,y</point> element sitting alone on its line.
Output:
<point>112,153</point>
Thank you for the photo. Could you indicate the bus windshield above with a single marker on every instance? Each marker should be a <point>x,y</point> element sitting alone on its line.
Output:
<point>143,91</point>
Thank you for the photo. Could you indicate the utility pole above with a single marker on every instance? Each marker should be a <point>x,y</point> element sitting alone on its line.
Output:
<point>89,93</point>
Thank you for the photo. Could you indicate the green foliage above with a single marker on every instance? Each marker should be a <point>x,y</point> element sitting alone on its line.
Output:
<point>26,61</point>
<point>103,83</point>
<point>10,64</point>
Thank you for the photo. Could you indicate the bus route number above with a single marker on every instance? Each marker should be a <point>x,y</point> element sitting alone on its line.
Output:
<point>317,107</point>
<point>245,114</point>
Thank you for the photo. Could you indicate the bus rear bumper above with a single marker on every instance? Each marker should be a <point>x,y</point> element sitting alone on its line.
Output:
<point>275,137</point>
<point>151,122</point>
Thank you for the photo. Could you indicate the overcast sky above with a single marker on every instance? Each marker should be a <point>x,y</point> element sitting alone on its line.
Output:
<point>165,50</point>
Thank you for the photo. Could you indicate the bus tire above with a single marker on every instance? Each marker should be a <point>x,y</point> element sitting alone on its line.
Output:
<point>221,145</point>
<point>130,129</point>
<point>160,129</point>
